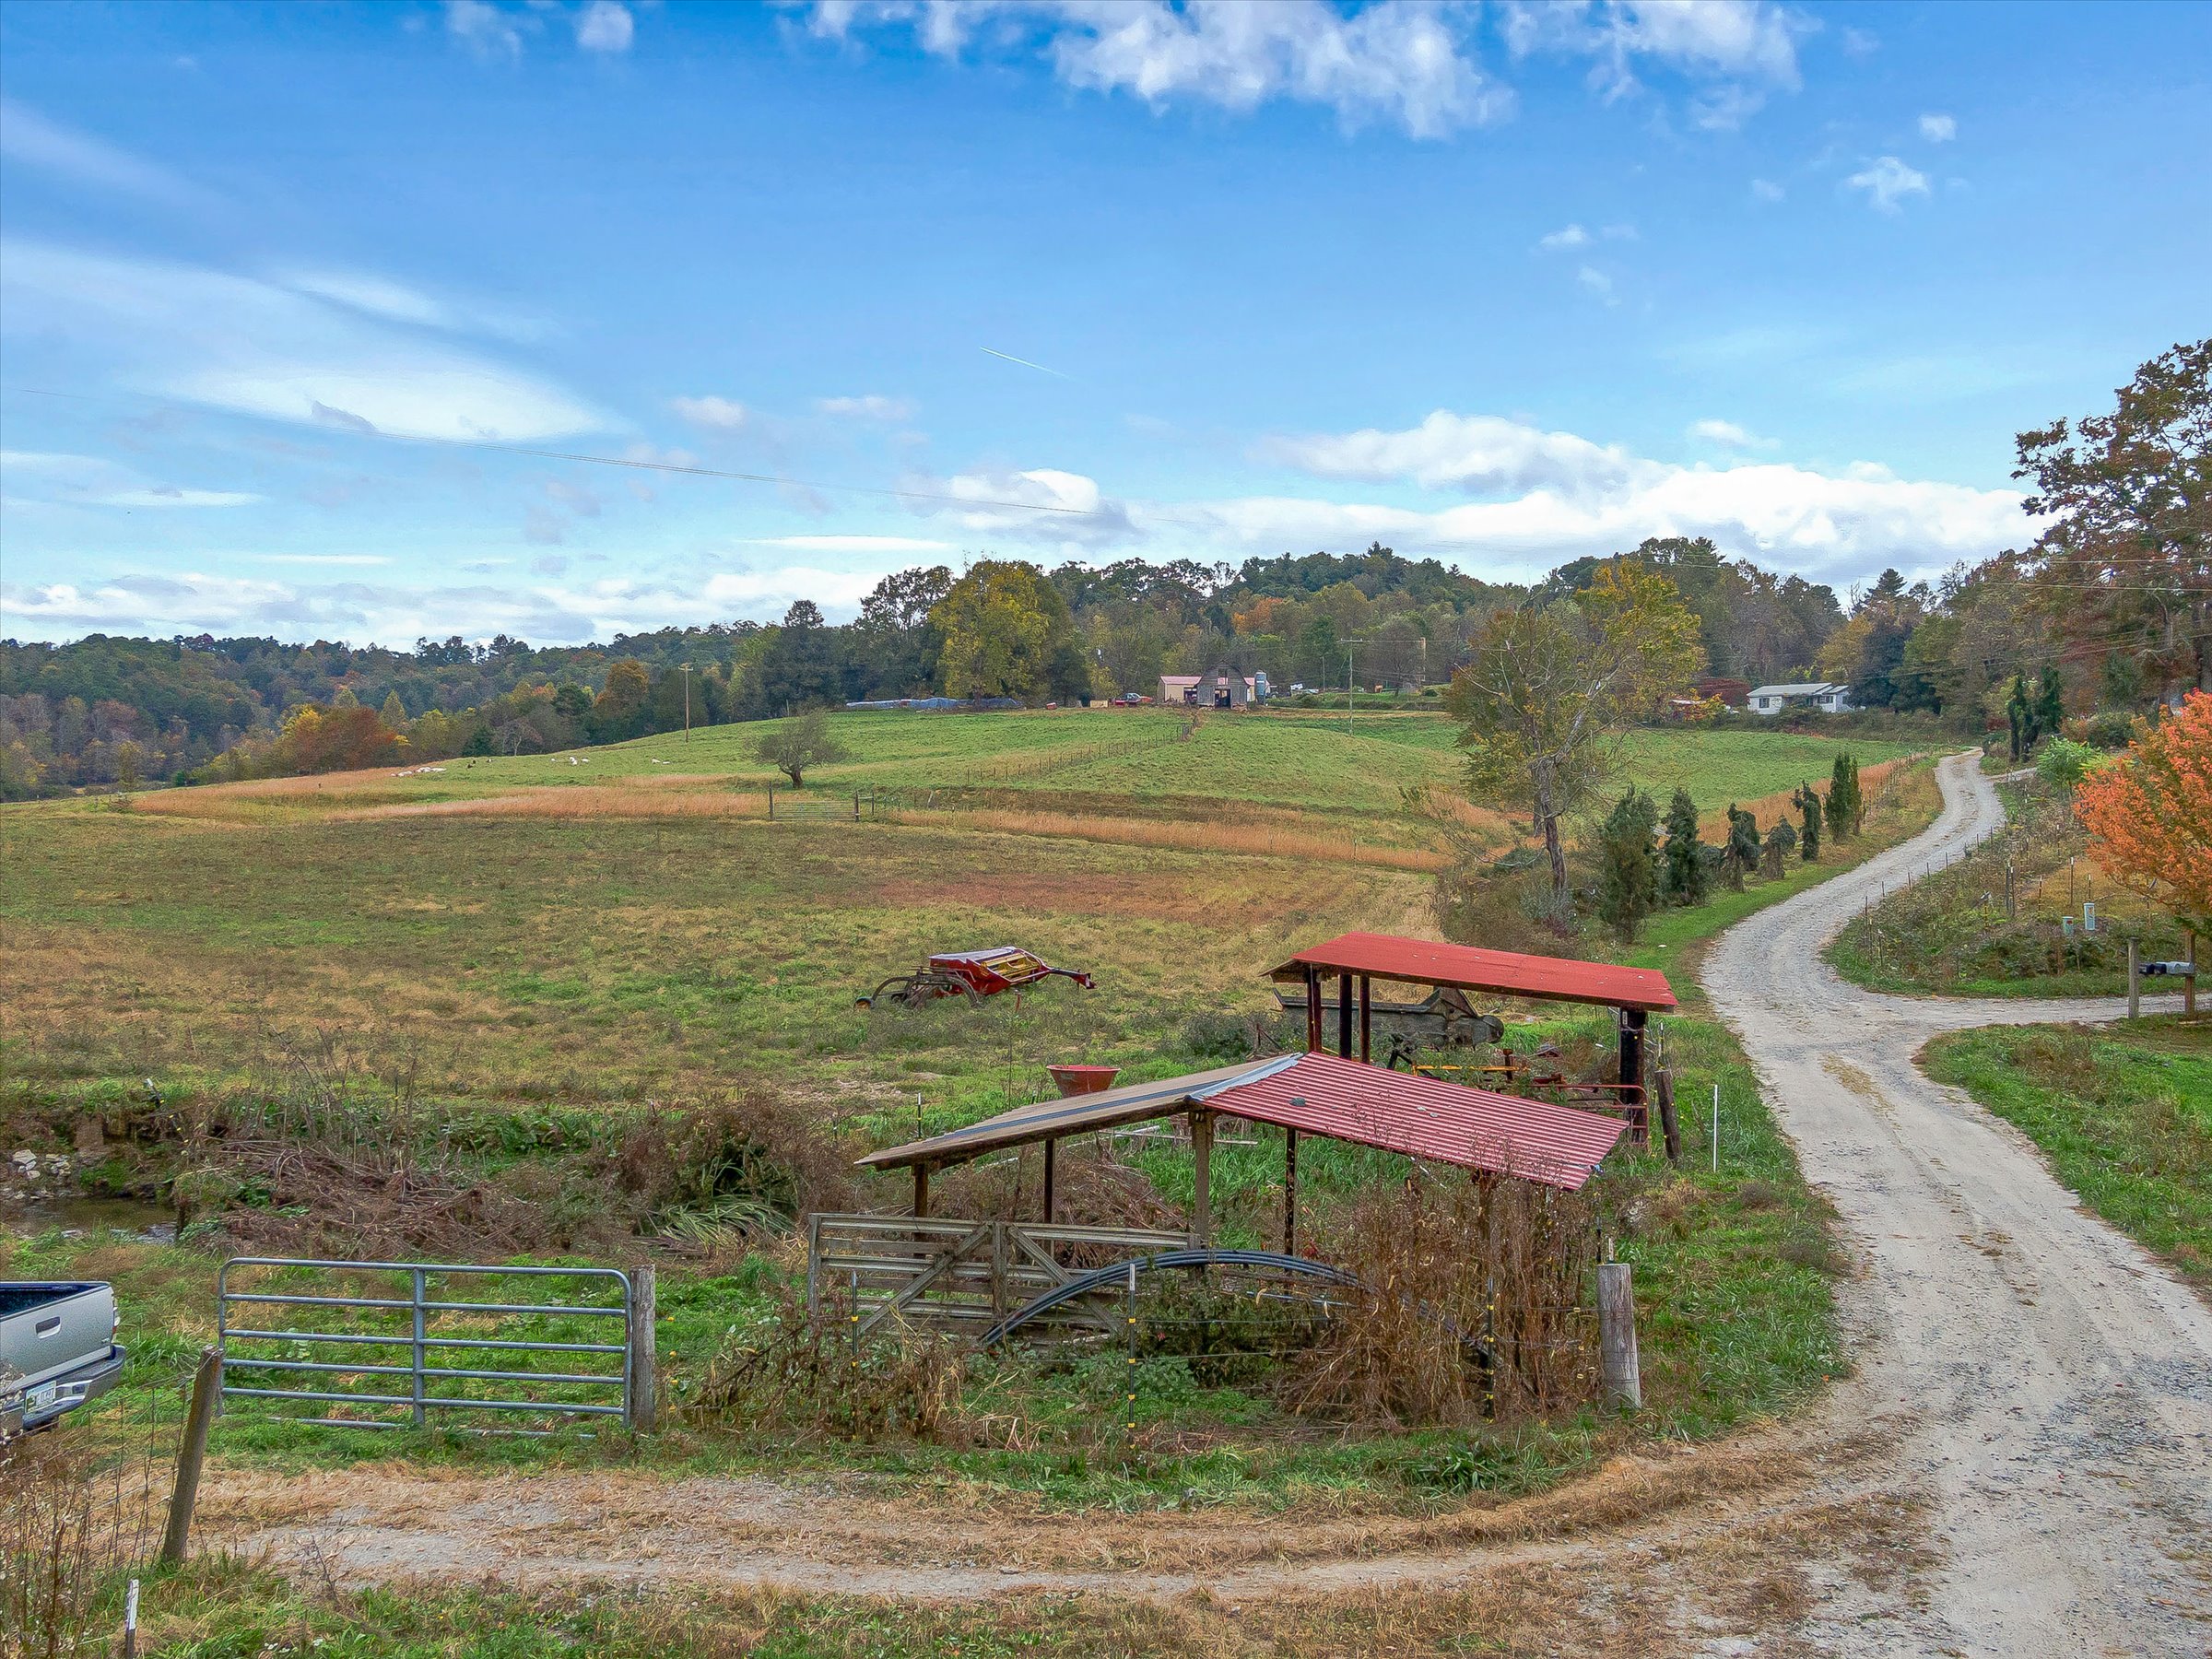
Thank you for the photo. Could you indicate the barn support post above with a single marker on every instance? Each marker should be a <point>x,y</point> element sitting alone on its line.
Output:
<point>1202,1177</point>
<point>921,1191</point>
<point>1344,1014</point>
<point>1312,1010</point>
<point>1367,1009</point>
<point>1290,1188</point>
<point>1051,1205</point>
<point>1632,1023</point>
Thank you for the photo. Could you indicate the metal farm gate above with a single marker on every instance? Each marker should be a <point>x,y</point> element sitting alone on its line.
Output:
<point>410,1347</point>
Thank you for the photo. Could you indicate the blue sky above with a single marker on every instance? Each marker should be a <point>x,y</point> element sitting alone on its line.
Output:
<point>1502,284</point>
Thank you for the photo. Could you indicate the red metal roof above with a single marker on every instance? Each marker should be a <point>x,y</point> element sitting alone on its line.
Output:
<point>1425,1117</point>
<point>1508,972</point>
<point>1346,1099</point>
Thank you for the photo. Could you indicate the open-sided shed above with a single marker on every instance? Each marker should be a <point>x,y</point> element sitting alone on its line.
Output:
<point>1311,1093</point>
<point>1364,958</point>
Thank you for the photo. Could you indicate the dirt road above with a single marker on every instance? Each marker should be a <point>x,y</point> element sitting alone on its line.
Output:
<point>2048,1385</point>
<point>2021,1465</point>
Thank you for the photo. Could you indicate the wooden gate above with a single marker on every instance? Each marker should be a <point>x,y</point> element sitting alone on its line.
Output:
<point>964,1274</point>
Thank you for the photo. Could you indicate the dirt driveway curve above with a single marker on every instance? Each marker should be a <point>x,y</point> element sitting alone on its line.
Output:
<point>2022,1464</point>
<point>2048,1384</point>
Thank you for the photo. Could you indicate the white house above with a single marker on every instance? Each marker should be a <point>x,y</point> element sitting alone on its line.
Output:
<point>1824,695</point>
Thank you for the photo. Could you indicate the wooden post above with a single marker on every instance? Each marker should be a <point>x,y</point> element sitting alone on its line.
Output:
<point>644,1390</point>
<point>1050,1216</point>
<point>1367,1001</point>
<point>1291,1189</point>
<point>1617,1335</point>
<point>192,1451</point>
<point>1312,1010</point>
<point>1202,1176</point>
<point>921,1191</point>
<point>2135,984</point>
<point>2189,984</point>
<point>1669,1126</point>
<point>1344,1014</point>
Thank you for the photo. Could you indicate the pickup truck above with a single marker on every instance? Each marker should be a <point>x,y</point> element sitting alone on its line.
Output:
<point>57,1351</point>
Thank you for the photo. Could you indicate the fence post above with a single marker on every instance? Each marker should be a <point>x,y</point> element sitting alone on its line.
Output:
<point>1670,1128</point>
<point>644,1400</point>
<point>1617,1335</point>
<point>2134,984</point>
<point>207,1383</point>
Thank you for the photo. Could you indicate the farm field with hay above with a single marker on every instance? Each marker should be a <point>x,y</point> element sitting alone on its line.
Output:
<point>611,1032</point>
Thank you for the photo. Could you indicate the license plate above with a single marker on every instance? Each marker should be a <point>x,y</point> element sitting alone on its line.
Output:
<point>40,1398</point>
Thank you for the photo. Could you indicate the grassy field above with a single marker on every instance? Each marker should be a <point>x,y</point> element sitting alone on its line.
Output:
<point>2005,919</point>
<point>525,993</point>
<point>2124,1113</point>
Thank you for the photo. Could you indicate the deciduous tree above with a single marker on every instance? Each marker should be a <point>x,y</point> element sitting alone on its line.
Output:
<point>1550,690</point>
<point>2150,812</point>
<point>795,745</point>
<point>2127,565</point>
<point>1007,633</point>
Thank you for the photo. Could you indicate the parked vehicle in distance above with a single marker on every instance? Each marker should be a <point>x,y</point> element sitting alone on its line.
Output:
<point>57,1351</point>
<point>1130,699</point>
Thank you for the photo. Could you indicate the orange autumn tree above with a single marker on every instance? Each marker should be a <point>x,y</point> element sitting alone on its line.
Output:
<point>2150,812</point>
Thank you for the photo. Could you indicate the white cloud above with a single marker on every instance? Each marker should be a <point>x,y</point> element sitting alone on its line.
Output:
<point>1765,189</point>
<point>720,413</point>
<point>1888,181</point>
<point>1474,452</point>
<point>1939,129</point>
<point>1596,281</point>
<point>394,301</point>
<point>1044,504</point>
<point>605,26</point>
<point>143,603</point>
<point>258,348</point>
<point>28,137</point>
<point>1573,236</point>
<point>1728,432</point>
<point>871,406</point>
<point>322,559</point>
<point>1564,495</point>
<point>1752,43</point>
<point>91,481</point>
<point>772,591</point>
<point>853,543</point>
<point>1410,65</point>
<point>484,28</point>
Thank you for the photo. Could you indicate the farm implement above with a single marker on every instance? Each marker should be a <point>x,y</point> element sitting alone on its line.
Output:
<point>973,975</point>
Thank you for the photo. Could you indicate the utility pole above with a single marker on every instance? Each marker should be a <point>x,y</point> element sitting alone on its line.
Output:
<point>1347,684</point>
<point>686,668</point>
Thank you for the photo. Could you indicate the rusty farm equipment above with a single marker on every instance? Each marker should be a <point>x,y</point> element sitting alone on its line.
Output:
<point>973,974</point>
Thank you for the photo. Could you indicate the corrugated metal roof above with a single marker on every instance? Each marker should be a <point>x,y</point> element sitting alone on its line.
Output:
<point>1426,1117</point>
<point>1508,972</point>
<point>1077,1114</point>
<point>1318,1094</point>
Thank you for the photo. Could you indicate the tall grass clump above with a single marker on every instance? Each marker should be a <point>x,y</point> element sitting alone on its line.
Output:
<point>76,1518</point>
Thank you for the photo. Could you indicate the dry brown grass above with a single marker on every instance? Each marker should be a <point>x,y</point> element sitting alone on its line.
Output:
<point>1770,810</point>
<point>1195,837</point>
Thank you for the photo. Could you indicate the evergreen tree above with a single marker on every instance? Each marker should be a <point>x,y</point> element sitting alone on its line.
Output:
<point>1810,808</point>
<point>1782,840</point>
<point>2020,716</point>
<point>1743,846</point>
<point>1844,811</point>
<point>1685,860</point>
<point>1628,863</point>
<point>393,713</point>
<point>2049,701</point>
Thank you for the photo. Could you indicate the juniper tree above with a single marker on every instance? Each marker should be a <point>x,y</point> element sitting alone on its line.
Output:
<point>1844,811</point>
<point>2019,717</point>
<point>1628,863</point>
<point>1743,846</point>
<point>1684,857</point>
<point>1782,840</point>
<point>2049,701</point>
<point>1810,808</point>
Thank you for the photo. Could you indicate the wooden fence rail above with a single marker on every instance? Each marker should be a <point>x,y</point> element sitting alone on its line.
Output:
<point>946,1271</point>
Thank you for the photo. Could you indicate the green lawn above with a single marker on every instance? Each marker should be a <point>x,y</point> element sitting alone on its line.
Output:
<point>2124,1113</point>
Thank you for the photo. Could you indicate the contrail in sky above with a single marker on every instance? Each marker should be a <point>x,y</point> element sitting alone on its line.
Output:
<point>1026,363</point>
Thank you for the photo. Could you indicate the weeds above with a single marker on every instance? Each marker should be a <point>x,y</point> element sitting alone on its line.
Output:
<point>76,1515</point>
